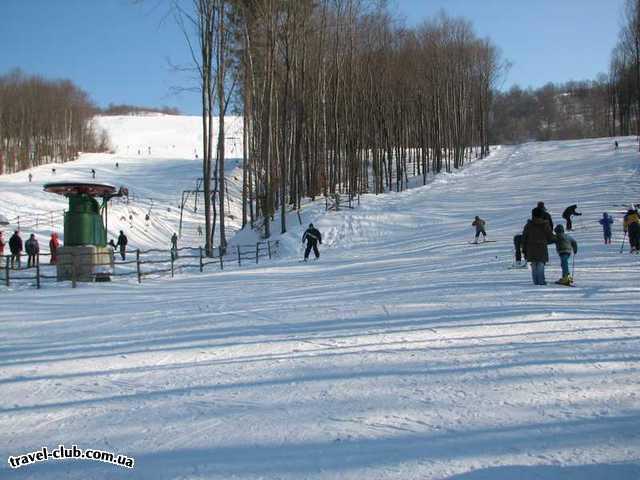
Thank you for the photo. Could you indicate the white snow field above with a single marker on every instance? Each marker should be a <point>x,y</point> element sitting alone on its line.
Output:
<point>403,353</point>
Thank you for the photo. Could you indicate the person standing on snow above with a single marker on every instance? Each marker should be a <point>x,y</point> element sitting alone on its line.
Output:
<point>631,226</point>
<point>15,246</point>
<point>568,213</point>
<point>565,245</point>
<point>479,224</point>
<point>53,248</point>
<point>535,237</point>
<point>1,246</point>
<point>33,248</point>
<point>545,214</point>
<point>122,243</point>
<point>174,245</point>
<point>606,222</point>
<point>312,236</point>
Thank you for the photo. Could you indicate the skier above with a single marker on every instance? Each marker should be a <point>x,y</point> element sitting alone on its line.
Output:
<point>93,173</point>
<point>53,171</point>
<point>122,243</point>
<point>479,224</point>
<point>616,144</point>
<point>312,236</point>
<point>32,248</point>
<point>606,222</point>
<point>174,245</point>
<point>568,213</point>
<point>15,246</point>
<point>545,214</point>
<point>565,245</point>
<point>1,245</point>
<point>117,165</point>
<point>631,225</point>
<point>199,230</point>
<point>30,177</point>
<point>535,237</point>
<point>53,248</point>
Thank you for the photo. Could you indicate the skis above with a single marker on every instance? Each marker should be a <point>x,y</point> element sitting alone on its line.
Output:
<point>480,243</point>
<point>558,282</point>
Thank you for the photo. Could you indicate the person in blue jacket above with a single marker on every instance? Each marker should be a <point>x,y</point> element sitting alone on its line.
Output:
<point>606,222</point>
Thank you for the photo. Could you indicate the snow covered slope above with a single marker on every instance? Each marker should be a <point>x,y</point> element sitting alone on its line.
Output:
<point>156,162</point>
<point>404,353</point>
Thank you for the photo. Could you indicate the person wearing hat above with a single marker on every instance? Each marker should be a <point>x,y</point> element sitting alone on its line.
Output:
<point>565,246</point>
<point>545,214</point>
<point>312,236</point>
<point>535,237</point>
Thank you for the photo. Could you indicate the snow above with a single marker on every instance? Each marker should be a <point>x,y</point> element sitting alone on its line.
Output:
<point>403,353</point>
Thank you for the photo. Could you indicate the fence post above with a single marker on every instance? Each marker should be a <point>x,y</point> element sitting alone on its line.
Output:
<point>74,272</point>
<point>269,248</point>
<point>38,271</point>
<point>172,257</point>
<point>138,265</point>
<point>7,270</point>
<point>201,265</point>
<point>257,252</point>
<point>239,262</point>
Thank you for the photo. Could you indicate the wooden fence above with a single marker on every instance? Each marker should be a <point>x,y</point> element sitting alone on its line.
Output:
<point>153,262</point>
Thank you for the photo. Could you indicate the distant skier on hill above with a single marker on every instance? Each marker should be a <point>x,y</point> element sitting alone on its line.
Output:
<point>535,238</point>
<point>174,245</point>
<point>631,226</point>
<point>312,236</point>
<point>568,213</point>
<point>30,177</point>
<point>479,224</point>
<point>606,222</point>
<point>565,245</point>
<point>545,214</point>
<point>93,173</point>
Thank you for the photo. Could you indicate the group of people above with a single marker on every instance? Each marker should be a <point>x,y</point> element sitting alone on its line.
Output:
<point>121,244</point>
<point>31,247</point>
<point>537,234</point>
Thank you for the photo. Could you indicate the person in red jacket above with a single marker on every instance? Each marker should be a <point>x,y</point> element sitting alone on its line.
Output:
<point>1,245</point>
<point>54,243</point>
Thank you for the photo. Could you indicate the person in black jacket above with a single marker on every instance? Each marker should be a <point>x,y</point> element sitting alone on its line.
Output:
<point>568,213</point>
<point>122,243</point>
<point>545,214</point>
<point>312,236</point>
<point>15,246</point>
<point>33,248</point>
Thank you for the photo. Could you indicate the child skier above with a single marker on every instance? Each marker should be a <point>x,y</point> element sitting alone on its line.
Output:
<point>479,224</point>
<point>565,245</point>
<point>606,222</point>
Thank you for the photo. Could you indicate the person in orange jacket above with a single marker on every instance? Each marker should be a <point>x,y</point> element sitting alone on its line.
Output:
<point>54,243</point>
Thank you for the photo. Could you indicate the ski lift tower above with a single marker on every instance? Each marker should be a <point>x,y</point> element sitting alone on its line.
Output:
<point>85,253</point>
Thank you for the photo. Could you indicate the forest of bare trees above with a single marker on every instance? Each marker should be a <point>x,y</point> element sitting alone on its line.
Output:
<point>624,91</point>
<point>553,112</point>
<point>43,121</point>
<point>339,97</point>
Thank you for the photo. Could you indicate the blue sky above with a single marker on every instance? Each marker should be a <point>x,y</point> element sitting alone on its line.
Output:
<point>119,52</point>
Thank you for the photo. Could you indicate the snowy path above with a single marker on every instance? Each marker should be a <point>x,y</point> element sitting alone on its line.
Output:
<point>404,353</point>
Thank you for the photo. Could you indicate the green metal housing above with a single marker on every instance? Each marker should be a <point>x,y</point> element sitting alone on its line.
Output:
<point>83,222</point>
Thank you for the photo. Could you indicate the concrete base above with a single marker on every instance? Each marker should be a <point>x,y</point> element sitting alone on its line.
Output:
<point>84,262</point>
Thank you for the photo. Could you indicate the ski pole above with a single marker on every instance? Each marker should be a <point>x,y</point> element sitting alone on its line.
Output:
<point>573,265</point>
<point>623,239</point>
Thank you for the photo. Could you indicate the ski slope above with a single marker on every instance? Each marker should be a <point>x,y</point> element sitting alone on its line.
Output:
<point>404,353</point>
<point>156,157</point>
